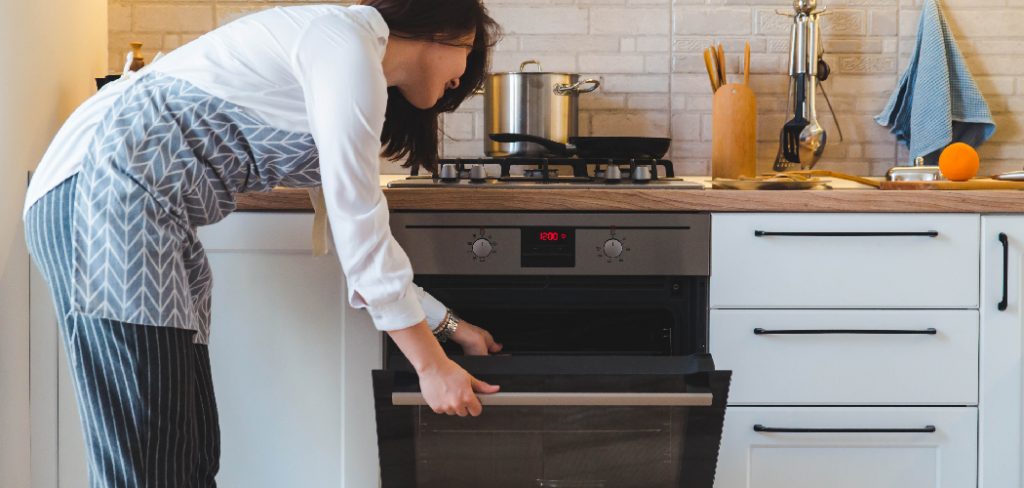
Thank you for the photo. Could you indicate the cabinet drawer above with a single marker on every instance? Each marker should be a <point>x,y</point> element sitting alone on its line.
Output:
<point>848,357</point>
<point>816,447</point>
<point>844,261</point>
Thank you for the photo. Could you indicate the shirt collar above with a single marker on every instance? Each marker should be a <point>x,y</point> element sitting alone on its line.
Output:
<point>377,23</point>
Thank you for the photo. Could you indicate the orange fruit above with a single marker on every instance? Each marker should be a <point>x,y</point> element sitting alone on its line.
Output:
<point>959,162</point>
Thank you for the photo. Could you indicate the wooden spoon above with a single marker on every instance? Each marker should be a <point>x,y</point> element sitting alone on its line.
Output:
<point>746,64</point>
<point>721,64</point>
<point>711,70</point>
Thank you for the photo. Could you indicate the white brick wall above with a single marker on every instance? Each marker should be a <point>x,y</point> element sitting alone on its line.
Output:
<point>648,55</point>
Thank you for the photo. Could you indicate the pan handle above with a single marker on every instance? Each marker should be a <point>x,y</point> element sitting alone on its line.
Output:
<point>554,147</point>
<point>578,87</point>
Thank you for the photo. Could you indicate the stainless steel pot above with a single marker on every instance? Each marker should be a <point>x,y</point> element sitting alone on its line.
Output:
<point>534,103</point>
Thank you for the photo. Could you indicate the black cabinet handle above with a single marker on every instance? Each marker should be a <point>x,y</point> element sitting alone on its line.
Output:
<point>764,233</point>
<point>1006,268</point>
<point>928,429</point>
<point>929,331</point>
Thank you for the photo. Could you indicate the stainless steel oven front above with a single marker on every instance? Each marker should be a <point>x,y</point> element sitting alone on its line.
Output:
<point>605,375</point>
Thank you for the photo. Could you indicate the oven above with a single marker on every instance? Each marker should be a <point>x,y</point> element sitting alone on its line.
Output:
<point>605,377</point>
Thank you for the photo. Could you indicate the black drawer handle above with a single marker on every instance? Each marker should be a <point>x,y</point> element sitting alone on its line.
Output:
<point>928,429</point>
<point>764,233</point>
<point>1006,270</point>
<point>930,331</point>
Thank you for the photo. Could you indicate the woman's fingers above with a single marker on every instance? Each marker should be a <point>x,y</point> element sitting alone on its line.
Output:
<point>475,341</point>
<point>475,348</point>
<point>492,347</point>
<point>480,345</point>
<point>474,407</point>
<point>451,390</point>
<point>483,387</point>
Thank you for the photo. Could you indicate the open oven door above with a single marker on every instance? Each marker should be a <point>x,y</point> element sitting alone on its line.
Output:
<point>559,421</point>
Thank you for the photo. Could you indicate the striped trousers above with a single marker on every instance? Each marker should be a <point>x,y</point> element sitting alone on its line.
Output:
<point>145,394</point>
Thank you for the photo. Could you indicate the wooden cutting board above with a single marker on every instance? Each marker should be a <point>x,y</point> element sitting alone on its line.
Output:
<point>976,184</point>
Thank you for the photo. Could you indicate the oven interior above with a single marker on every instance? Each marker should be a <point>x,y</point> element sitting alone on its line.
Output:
<point>578,315</point>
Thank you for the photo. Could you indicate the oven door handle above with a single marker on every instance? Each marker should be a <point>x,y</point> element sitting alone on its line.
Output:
<point>573,399</point>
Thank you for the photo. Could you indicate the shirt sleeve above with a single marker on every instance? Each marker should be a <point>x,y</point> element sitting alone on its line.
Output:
<point>337,63</point>
<point>434,309</point>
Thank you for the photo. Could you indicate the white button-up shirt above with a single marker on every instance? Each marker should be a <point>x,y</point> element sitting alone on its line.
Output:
<point>314,69</point>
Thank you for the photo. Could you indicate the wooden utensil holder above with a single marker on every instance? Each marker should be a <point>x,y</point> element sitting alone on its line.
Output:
<point>734,132</point>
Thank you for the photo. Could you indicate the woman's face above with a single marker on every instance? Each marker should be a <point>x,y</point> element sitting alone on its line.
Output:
<point>438,69</point>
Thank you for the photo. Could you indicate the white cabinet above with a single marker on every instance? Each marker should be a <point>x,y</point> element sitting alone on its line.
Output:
<point>844,261</point>
<point>1002,352</point>
<point>291,361</point>
<point>848,357</point>
<point>836,323</point>
<point>804,447</point>
<point>275,352</point>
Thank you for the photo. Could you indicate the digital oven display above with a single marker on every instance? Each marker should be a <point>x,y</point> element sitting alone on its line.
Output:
<point>548,247</point>
<point>552,236</point>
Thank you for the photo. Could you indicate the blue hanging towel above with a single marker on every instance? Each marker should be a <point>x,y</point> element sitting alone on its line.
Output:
<point>937,101</point>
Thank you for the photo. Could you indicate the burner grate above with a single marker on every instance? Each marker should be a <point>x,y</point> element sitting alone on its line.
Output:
<point>547,169</point>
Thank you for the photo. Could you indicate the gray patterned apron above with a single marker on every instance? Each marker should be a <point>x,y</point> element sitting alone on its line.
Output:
<point>167,159</point>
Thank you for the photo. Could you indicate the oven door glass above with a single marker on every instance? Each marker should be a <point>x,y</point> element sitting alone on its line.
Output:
<point>582,421</point>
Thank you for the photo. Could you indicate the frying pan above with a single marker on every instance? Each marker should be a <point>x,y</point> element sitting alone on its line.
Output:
<point>597,147</point>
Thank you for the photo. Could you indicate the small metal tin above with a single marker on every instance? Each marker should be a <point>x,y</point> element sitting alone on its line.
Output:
<point>918,172</point>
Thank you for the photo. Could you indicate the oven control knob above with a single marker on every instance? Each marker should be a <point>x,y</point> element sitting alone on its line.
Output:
<point>613,174</point>
<point>477,173</point>
<point>642,174</point>
<point>449,173</point>
<point>482,248</point>
<point>613,248</point>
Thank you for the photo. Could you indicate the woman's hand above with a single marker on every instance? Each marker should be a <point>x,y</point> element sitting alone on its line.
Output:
<point>474,340</point>
<point>451,390</point>
<point>445,385</point>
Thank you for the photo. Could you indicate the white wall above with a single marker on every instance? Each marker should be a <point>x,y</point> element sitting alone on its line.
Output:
<point>50,51</point>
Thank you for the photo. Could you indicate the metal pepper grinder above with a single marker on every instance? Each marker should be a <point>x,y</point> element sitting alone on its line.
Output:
<point>806,68</point>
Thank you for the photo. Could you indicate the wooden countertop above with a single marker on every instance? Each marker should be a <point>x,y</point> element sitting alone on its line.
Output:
<point>846,197</point>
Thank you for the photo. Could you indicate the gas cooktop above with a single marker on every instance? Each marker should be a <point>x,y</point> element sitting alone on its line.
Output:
<point>550,173</point>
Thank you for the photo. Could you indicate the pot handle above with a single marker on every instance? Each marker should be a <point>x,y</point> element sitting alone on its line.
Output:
<point>565,89</point>
<point>524,64</point>
<point>564,150</point>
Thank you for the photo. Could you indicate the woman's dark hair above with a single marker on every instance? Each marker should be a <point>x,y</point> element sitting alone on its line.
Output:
<point>411,132</point>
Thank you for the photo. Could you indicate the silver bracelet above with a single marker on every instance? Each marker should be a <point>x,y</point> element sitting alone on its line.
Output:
<point>447,328</point>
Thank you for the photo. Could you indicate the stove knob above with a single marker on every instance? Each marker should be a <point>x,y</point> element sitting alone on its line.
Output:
<point>613,174</point>
<point>642,174</point>
<point>449,172</point>
<point>477,173</point>
<point>613,248</point>
<point>482,248</point>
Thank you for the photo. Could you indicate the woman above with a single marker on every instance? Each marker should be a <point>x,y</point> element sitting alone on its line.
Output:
<point>297,96</point>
